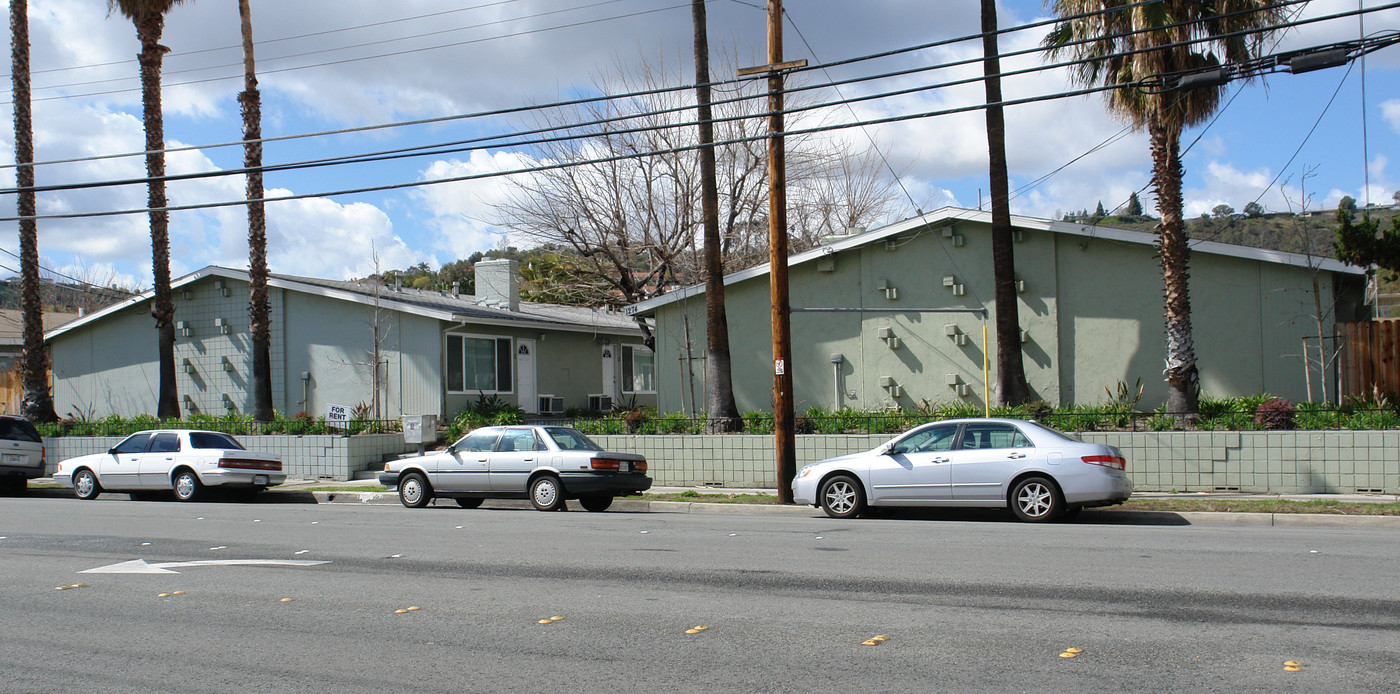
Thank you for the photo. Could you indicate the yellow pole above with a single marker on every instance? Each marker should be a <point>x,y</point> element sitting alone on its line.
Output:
<point>986,373</point>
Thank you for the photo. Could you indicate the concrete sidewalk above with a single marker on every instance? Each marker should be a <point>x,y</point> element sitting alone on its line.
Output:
<point>301,491</point>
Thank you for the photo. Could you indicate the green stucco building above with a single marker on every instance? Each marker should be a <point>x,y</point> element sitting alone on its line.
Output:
<point>1090,309</point>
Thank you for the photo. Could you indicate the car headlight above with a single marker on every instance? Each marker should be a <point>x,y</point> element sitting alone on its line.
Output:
<point>806,470</point>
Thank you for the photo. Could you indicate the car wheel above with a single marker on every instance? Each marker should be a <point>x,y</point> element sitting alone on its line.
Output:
<point>596,503</point>
<point>414,491</point>
<point>187,485</point>
<point>85,484</point>
<point>546,494</point>
<point>842,497</point>
<point>468,502</point>
<point>1036,499</point>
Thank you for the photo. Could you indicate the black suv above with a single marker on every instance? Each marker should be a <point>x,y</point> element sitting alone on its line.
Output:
<point>21,453</point>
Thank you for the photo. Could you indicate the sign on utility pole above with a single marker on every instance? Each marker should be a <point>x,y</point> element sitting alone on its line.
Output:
<point>783,447</point>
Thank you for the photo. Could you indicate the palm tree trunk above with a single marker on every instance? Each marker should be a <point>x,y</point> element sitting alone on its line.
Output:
<point>722,413</point>
<point>258,306</point>
<point>148,30</point>
<point>1183,381</point>
<point>38,401</point>
<point>1011,373</point>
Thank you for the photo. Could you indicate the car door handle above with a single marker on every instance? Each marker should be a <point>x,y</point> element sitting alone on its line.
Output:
<point>529,460</point>
<point>1017,455</point>
<point>940,460</point>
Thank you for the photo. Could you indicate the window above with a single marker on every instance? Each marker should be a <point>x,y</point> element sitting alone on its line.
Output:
<point>478,364</point>
<point>638,363</point>
<point>136,443</point>
<point>518,441</point>
<point>479,441</point>
<point>994,436</point>
<point>937,438</point>
<point>213,440</point>
<point>12,429</point>
<point>165,443</point>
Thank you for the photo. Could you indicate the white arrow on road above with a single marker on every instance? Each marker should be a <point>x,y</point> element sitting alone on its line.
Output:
<point>139,566</point>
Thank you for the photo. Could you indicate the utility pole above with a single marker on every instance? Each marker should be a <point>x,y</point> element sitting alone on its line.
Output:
<point>783,447</point>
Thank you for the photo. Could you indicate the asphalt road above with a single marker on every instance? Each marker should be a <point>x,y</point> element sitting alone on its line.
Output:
<point>976,603</point>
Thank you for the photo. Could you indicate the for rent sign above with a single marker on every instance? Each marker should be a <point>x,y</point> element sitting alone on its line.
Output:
<point>337,416</point>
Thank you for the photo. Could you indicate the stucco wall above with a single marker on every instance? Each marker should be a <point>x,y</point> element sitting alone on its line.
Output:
<point>1304,462</point>
<point>1090,307</point>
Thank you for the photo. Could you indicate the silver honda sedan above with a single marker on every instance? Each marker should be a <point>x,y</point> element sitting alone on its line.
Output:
<point>1040,473</point>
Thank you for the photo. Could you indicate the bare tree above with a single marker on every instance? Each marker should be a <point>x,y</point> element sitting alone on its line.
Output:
<point>637,222</point>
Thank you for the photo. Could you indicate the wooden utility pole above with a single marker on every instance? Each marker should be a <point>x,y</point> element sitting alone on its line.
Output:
<point>777,254</point>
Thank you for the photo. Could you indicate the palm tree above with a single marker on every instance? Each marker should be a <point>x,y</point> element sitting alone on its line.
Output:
<point>1117,44</point>
<point>258,306</point>
<point>722,413</point>
<point>38,401</point>
<point>149,18</point>
<point>1011,371</point>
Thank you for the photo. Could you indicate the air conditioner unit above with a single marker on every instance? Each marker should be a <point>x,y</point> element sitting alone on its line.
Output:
<point>550,404</point>
<point>600,403</point>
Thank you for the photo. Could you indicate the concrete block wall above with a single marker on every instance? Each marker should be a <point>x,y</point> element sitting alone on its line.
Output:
<point>328,456</point>
<point>1280,462</point>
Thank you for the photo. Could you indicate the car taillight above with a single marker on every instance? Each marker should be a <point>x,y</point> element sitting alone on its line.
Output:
<point>250,464</point>
<point>605,464</point>
<point>640,466</point>
<point>1112,461</point>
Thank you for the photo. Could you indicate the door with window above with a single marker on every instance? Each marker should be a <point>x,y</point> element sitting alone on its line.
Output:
<point>159,459</point>
<point>467,465</point>
<point>916,467</point>
<point>517,453</point>
<point>989,456</point>
<point>120,469</point>
<point>527,393</point>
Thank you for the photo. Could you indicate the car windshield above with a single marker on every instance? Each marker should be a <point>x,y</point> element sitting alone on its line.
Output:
<point>18,430</point>
<point>571,439</point>
<point>1053,432</point>
<point>209,439</point>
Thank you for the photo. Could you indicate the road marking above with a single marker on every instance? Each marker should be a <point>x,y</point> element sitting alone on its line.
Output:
<point>139,566</point>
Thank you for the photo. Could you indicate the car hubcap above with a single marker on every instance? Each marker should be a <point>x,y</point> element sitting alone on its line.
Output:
<point>184,486</point>
<point>412,491</point>
<point>84,484</point>
<point>1034,500</point>
<point>840,497</point>
<point>545,493</point>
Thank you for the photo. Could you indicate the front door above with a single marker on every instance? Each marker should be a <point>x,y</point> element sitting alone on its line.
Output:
<point>610,370</point>
<point>466,466</point>
<point>916,468</point>
<point>120,469</point>
<point>517,455</point>
<point>525,386</point>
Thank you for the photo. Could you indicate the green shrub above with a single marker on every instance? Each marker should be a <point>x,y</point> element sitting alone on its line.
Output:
<point>758,422</point>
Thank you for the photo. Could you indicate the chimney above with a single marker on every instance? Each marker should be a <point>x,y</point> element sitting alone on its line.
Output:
<point>456,289</point>
<point>498,283</point>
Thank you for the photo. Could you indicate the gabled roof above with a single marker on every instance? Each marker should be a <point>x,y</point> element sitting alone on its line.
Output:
<point>951,215</point>
<point>438,305</point>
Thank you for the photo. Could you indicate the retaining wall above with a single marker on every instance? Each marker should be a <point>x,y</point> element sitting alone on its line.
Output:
<point>1284,462</point>
<point>329,456</point>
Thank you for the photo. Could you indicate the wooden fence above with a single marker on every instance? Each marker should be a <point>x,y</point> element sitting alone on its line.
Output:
<point>1370,356</point>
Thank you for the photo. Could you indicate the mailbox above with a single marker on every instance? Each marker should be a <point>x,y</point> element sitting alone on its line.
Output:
<point>419,428</point>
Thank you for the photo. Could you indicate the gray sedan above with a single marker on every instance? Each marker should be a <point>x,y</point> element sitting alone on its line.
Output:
<point>544,464</point>
<point>1040,473</point>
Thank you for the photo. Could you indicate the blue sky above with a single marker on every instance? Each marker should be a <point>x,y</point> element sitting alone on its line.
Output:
<point>371,62</point>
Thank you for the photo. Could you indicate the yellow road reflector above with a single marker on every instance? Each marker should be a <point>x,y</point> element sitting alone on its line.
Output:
<point>1292,663</point>
<point>62,587</point>
<point>870,642</point>
<point>544,621</point>
<point>163,595</point>
<point>79,585</point>
<point>692,631</point>
<point>178,592</point>
<point>285,600</point>
<point>414,608</point>
<point>556,619</point>
<point>701,627</point>
<point>1067,654</point>
<point>881,638</point>
<point>1074,650</point>
<point>1292,668</point>
<point>400,611</point>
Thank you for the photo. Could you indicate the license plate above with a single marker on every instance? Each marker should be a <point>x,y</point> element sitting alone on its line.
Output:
<point>259,479</point>
<point>13,459</point>
<point>624,467</point>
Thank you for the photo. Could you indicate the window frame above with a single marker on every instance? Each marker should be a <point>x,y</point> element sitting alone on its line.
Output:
<point>628,356</point>
<point>504,345</point>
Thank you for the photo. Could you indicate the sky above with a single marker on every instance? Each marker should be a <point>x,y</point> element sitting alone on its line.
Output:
<point>1291,142</point>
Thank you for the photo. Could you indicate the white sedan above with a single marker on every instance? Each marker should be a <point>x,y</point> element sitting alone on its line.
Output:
<point>1040,473</point>
<point>181,460</point>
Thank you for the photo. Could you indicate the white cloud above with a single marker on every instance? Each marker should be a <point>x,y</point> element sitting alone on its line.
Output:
<point>1390,109</point>
<point>464,213</point>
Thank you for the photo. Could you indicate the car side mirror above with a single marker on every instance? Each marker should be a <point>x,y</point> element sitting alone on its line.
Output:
<point>885,449</point>
<point>112,450</point>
